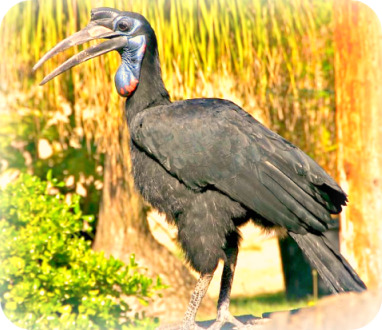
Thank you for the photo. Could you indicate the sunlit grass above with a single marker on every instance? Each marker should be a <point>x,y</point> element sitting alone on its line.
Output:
<point>273,56</point>
<point>262,305</point>
<point>267,303</point>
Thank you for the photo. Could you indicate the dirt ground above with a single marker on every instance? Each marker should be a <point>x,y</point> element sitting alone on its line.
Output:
<point>258,268</point>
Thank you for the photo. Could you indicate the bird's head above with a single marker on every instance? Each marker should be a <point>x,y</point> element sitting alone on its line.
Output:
<point>126,32</point>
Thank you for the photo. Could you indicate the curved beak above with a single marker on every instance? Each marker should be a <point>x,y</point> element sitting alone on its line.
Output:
<point>94,30</point>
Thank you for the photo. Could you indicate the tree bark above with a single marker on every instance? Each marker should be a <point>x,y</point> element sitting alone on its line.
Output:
<point>123,229</point>
<point>358,85</point>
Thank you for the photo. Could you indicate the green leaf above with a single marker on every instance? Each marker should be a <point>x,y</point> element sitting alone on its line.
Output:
<point>49,176</point>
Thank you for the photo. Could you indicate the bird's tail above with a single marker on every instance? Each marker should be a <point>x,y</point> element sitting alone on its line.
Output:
<point>335,271</point>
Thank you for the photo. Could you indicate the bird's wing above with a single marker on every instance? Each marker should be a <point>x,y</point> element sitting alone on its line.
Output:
<point>212,143</point>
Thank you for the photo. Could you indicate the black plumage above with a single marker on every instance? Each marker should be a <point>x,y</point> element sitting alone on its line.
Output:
<point>211,167</point>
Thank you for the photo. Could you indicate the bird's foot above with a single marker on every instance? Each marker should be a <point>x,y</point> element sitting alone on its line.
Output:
<point>187,325</point>
<point>222,319</point>
<point>191,326</point>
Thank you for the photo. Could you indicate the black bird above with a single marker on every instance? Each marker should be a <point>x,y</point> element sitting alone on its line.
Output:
<point>211,167</point>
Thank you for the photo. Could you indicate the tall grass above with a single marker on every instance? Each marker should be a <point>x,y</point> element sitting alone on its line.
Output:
<point>274,57</point>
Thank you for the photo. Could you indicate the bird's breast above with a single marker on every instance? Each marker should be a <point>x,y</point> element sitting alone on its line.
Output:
<point>163,191</point>
<point>173,198</point>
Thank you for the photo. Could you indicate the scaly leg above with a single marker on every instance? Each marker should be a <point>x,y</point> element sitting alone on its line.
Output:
<point>224,315</point>
<point>196,298</point>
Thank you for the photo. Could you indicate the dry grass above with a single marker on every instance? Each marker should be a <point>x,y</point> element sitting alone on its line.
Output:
<point>272,57</point>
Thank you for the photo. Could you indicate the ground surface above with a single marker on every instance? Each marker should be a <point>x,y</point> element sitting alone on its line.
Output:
<point>342,312</point>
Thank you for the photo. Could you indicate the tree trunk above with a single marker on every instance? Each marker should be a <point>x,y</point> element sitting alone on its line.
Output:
<point>358,85</point>
<point>123,229</point>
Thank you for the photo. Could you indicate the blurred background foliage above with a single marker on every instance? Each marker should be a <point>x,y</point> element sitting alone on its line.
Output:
<point>273,57</point>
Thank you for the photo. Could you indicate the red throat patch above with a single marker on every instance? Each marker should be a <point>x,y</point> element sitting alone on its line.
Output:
<point>128,89</point>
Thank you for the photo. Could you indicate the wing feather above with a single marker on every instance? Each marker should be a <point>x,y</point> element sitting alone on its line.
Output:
<point>212,142</point>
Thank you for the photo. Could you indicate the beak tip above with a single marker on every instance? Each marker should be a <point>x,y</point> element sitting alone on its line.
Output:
<point>37,65</point>
<point>43,82</point>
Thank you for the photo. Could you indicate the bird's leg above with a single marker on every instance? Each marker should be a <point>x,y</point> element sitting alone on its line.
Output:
<point>196,298</point>
<point>224,315</point>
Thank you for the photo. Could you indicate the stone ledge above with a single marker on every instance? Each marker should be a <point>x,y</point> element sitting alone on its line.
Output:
<point>343,311</point>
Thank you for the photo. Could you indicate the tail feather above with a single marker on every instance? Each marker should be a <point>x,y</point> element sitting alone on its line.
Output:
<point>334,270</point>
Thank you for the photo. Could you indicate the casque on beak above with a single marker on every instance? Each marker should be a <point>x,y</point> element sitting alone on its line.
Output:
<point>97,29</point>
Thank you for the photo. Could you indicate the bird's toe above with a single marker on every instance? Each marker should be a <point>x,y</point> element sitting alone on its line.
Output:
<point>226,318</point>
<point>191,326</point>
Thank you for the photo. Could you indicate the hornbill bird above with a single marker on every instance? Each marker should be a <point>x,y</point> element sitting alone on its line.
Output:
<point>211,167</point>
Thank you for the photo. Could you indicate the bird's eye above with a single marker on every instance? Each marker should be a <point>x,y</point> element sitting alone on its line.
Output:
<point>123,25</point>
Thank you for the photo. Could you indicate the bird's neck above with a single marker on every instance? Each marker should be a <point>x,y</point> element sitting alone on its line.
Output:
<point>151,90</point>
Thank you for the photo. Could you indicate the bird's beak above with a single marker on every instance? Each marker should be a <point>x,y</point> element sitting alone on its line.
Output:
<point>100,29</point>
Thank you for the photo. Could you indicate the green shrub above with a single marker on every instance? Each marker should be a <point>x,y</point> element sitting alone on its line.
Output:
<point>49,276</point>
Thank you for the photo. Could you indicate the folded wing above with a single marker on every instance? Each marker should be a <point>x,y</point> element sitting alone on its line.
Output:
<point>214,144</point>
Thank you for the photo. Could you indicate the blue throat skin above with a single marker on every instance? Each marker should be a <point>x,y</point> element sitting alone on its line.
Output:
<point>127,77</point>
